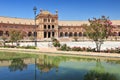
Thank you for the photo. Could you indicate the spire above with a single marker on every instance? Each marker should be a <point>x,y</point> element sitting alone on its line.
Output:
<point>56,12</point>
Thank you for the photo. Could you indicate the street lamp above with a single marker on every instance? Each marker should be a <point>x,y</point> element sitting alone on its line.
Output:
<point>35,33</point>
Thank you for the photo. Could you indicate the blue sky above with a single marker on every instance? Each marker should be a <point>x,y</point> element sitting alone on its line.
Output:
<point>67,9</point>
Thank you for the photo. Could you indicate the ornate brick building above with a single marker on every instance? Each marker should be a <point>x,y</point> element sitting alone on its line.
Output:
<point>48,26</point>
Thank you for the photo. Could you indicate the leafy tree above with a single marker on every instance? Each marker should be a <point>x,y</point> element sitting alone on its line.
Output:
<point>4,38</point>
<point>15,36</point>
<point>98,30</point>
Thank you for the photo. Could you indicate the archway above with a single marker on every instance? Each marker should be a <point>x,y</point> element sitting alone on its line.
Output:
<point>80,34</point>
<point>49,34</point>
<point>70,34</point>
<point>35,33</point>
<point>66,34</point>
<point>29,34</point>
<point>75,34</point>
<point>1,33</point>
<point>45,34</point>
<point>61,34</point>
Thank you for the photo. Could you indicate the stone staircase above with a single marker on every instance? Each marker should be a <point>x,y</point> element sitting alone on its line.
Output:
<point>64,39</point>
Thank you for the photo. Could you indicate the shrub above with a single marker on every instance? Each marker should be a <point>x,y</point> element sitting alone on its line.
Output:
<point>89,49</point>
<point>76,49</point>
<point>64,47</point>
<point>27,47</point>
<point>117,50</point>
<point>56,43</point>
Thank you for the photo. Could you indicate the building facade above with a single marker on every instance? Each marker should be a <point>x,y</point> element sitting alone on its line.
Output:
<point>48,26</point>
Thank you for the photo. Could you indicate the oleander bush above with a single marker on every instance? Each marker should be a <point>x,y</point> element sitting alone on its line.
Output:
<point>89,49</point>
<point>116,50</point>
<point>56,43</point>
<point>76,49</point>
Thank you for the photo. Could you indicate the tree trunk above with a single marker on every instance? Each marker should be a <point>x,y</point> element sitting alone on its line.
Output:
<point>96,42</point>
<point>98,45</point>
<point>17,43</point>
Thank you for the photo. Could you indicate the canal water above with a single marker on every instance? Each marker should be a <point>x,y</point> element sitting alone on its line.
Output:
<point>60,68</point>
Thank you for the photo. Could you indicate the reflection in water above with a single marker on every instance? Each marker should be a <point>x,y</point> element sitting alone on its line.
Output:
<point>61,68</point>
<point>17,64</point>
<point>93,75</point>
<point>46,63</point>
<point>98,73</point>
<point>99,67</point>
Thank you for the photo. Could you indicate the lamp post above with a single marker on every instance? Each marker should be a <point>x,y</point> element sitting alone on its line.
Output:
<point>35,33</point>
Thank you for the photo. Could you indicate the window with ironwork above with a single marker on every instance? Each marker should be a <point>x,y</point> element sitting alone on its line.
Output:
<point>53,20</point>
<point>45,20</point>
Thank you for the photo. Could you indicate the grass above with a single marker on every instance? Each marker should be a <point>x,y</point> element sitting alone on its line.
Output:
<point>15,55</point>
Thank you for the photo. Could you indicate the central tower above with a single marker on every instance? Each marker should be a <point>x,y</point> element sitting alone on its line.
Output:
<point>47,24</point>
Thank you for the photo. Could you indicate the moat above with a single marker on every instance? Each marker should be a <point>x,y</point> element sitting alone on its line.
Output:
<point>60,68</point>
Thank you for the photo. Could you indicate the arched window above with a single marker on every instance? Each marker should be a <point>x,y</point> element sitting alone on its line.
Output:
<point>75,34</point>
<point>70,34</point>
<point>1,33</point>
<point>29,34</point>
<point>66,34</point>
<point>61,34</point>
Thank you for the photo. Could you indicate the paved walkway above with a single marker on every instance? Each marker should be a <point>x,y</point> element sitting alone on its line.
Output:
<point>54,51</point>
